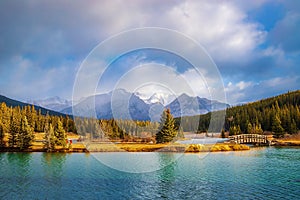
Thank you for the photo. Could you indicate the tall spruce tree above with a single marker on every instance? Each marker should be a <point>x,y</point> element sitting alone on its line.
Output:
<point>167,130</point>
<point>49,139</point>
<point>14,128</point>
<point>293,127</point>
<point>2,144</point>
<point>276,127</point>
<point>60,134</point>
<point>25,136</point>
<point>249,128</point>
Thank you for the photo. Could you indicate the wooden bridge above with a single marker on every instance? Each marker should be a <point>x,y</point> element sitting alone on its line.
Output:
<point>249,139</point>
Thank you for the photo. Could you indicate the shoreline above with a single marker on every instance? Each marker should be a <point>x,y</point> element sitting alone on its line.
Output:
<point>142,147</point>
<point>286,143</point>
<point>138,147</point>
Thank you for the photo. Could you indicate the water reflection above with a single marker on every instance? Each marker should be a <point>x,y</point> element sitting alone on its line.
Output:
<point>141,162</point>
<point>166,174</point>
<point>53,163</point>
<point>253,174</point>
<point>53,166</point>
<point>20,170</point>
<point>2,157</point>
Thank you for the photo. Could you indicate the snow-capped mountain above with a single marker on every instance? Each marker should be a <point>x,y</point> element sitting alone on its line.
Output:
<point>158,97</point>
<point>120,104</point>
<point>53,103</point>
<point>186,105</point>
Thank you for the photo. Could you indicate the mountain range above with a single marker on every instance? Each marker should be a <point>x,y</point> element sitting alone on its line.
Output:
<point>13,103</point>
<point>53,103</point>
<point>120,104</point>
<point>158,97</point>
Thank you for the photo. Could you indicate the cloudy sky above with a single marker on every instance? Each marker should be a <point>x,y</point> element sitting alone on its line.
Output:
<point>254,44</point>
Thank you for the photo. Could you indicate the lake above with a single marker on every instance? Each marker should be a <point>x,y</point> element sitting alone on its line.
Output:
<point>261,173</point>
<point>204,141</point>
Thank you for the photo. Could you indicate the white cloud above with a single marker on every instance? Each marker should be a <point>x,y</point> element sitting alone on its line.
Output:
<point>245,91</point>
<point>220,26</point>
<point>236,92</point>
<point>154,77</point>
<point>27,81</point>
<point>151,78</point>
<point>273,51</point>
<point>242,85</point>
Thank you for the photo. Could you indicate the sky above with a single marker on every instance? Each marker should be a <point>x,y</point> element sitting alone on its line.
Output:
<point>255,45</point>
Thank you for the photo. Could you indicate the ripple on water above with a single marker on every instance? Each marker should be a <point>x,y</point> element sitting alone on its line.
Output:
<point>268,173</point>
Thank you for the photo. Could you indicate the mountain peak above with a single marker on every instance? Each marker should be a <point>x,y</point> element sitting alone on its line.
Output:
<point>184,96</point>
<point>157,97</point>
<point>122,104</point>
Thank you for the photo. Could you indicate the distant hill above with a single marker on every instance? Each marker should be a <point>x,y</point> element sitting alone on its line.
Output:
<point>14,103</point>
<point>186,105</point>
<point>53,103</point>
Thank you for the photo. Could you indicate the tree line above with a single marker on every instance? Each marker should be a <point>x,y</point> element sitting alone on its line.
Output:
<point>116,129</point>
<point>20,124</point>
<point>280,115</point>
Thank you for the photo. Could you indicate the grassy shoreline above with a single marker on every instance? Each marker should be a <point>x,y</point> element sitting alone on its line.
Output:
<point>138,147</point>
<point>38,146</point>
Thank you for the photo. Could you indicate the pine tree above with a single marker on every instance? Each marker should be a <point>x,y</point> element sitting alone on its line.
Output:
<point>25,136</point>
<point>249,128</point>
<point>60,134</point>
<point>238,130</point>
<point>167,131</point>
<point>14,128</point>
<point>258,129</point>
<point>277,128</point>
<point>293,127</point>
<point>2,144</point>
<point>232,130</point>
<point>49,139</point>
<point>6,116</point>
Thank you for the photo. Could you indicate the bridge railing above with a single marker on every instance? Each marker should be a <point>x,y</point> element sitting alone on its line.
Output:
<point>249,138</point>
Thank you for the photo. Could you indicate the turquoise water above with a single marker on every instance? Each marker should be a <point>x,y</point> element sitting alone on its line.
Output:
<point>267,173</point>
<point>204,141</point>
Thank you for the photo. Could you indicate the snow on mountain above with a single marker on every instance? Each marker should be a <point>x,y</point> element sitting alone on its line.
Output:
<point>120,104</point>
<point>53,103</point>
<point>158,97</point>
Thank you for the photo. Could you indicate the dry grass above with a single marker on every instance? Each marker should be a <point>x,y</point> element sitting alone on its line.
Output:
<point>292,138</point>
<point>38,145</point>
<point>192,148</point>
<point>289,140</point>
<point>122,147</point>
